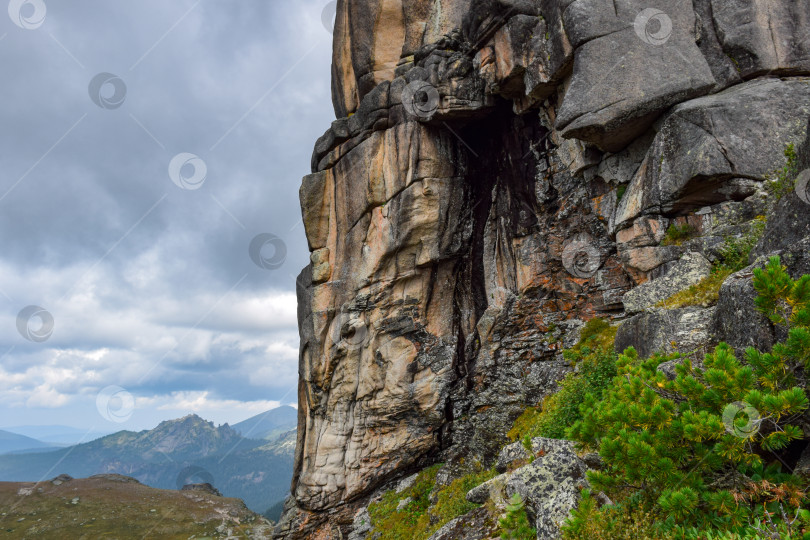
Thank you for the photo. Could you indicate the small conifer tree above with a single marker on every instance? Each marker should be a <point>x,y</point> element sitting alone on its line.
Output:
<point>668,444</point>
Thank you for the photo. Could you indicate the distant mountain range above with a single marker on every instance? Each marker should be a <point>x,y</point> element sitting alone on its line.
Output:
<point>13,442</point>
<point>57,435</point>
<point>269,425</point>
<point>177,452</point>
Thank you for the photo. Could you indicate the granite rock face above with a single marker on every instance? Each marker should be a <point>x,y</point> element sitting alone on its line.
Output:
<point>499,173</point>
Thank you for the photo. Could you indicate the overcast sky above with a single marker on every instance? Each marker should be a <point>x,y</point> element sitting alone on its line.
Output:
<point>144,268</point>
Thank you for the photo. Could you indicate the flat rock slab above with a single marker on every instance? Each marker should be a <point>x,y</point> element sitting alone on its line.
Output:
<point>688,271</point>
<point>667,331</point>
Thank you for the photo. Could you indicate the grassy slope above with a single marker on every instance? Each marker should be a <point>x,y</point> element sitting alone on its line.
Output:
<point>114,509</point>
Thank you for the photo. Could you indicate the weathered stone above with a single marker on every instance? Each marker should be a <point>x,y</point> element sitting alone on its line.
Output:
<point>649,258</point>
<point>686,330</point>
<point>475,525</point>
<point>737,322</point>
<point>689,270</point>
<point>646,231</point>
<point>321,270</point>
<point>721,164</point>
<point>764,35</point>
<point>463,225</point>
<point>550,486</point>
<point>316,201</point>
<point>512,456</point>
<point>626,71</point>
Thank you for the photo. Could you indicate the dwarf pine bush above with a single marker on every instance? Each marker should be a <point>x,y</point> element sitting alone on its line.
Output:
<point>693,450</point>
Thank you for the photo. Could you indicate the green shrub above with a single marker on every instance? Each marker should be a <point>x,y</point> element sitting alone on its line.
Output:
<point>596,362</point>
<point>451,502</point>
<point>616,522</point>
<point>784,180</point>
<point>515,524</point>
<point>666,443</point>
<point>678,234</point>
<point>735,252</point>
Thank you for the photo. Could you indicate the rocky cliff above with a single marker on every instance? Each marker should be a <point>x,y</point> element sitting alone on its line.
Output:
<point>502,171</point>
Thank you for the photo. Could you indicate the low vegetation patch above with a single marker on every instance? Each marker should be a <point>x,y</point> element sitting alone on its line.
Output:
<point>670,447</point>
<point>397,522</point>
<point>596,366</point>
<point>451,503</point>
<point>734,257</point>
<point>417,518</point>
<point>678,234</point>
<point>705,293</point>
<point>783,181</point>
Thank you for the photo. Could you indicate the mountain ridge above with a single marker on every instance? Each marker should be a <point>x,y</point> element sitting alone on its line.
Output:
<point>179,451</point>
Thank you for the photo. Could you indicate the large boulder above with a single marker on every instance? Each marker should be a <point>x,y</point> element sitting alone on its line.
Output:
<point>689,270</point>
<point>550,485</point>
<point>686,330</point>
<point>633,60</point>
<point>764,36</point>
<point>735,139</point>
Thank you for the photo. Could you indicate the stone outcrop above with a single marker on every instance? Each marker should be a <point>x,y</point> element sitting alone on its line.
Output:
<point>549,485</point>
<point>500,172</point>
